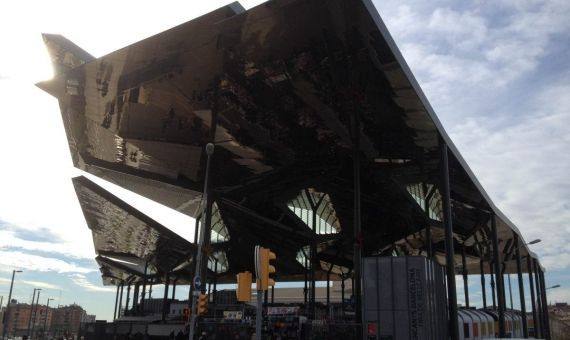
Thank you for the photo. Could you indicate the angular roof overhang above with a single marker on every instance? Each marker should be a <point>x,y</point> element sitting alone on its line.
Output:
<point>282,90</point>
<point>126,240</point>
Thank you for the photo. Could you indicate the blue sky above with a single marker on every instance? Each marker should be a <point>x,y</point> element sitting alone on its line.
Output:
<point>496,72</point>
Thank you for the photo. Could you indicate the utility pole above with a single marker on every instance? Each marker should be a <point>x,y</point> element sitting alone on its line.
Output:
<point>197,278</point>
<point>46,317</point>
<point>8,305</point>
<point>35,313</point>
<point>32,310</point>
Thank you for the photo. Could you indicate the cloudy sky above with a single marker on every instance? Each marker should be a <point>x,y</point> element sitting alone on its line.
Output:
<point>496,72</point>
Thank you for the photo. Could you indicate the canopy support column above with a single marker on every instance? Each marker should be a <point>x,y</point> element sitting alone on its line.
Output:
<point>342,294</point>
<point>532,297</point>
<point>215,282</point>
<point>544,305</point>
<point>483,288</point>
<point>305,290</point>
<point>165,305</point>
<point>521,287</point>
<point>144,287</point>
<point>510,289</point>
<point>540,322</point>
<point>128,298</point>
<point>357,235</point>
<point>136,298</point>
<point>498,278</point>
<point>492,276</point>
<point>120,299</point>
<point>465,282</point>
<point>449,251</point>
<point>116,302</point>
<point>427,198</point>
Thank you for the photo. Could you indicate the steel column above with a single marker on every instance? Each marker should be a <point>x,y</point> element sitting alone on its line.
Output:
<point>492,283</point>
<point>165,308</point>
<point>144,286</point>
<point>427,198</point>
<point>312,255</point>
<point>483,288</point>
<point>465,282</point>
<point>328,289</point>
<point>510,289</point>
<point>449,251</point>
<point>174,288</point>
<point>498,278</point>
<point>532,297</point>
<point>128,297</point>
<point>342,294</point>
<point>215,281</point>
<point>357,242</point>
<point>136,297</point>
<point>120,299</point>
<point>521,287</point>
<point>538,298</point>
<point>305,290</point>
<point>544,305</point>
<point>116,302</point>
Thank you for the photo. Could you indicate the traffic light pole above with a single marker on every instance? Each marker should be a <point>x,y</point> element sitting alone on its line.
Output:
<point>259,315</point>
<point>259,309</point>
<point>202,232</point>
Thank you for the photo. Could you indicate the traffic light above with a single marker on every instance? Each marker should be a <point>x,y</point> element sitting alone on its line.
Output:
<point>243,291</point>
<point>202,304</point>
<point>266,255</point>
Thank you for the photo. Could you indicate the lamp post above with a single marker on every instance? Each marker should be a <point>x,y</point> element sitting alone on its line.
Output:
<point>35,313</point>
<point>202,232</point>
<point>46,317</point>
<point>8,305</point>
<point>552,287</point>
<point>32,309</point>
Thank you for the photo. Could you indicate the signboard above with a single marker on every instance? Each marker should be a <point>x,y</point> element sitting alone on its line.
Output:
<point>282,310</point>
<point>197,283</point>
<point>233,315</point>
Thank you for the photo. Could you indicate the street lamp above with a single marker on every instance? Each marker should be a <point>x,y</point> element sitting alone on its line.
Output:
<point>46,317</point>
<point>35,312</point>
<point>32,309</point>
<point>555,286</point>
<point>8,305</point>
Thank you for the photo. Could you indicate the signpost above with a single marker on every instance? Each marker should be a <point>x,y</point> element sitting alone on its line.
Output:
<point>259,314</point>
<point>202,231</point>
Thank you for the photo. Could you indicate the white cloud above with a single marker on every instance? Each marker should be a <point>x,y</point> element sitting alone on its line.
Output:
<point>82,281</point>
<point>495,78</point>
<point>462,52</point>
<point>21,260</point>
<point>36,284</point>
